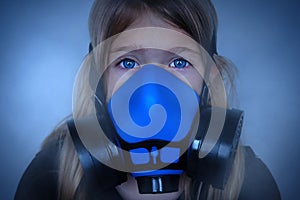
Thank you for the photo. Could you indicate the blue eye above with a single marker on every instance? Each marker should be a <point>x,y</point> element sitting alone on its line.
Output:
<point>179,63</point>
<point>128,63</point>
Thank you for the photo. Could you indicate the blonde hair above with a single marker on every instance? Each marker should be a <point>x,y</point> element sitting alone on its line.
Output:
<point>197,18</point>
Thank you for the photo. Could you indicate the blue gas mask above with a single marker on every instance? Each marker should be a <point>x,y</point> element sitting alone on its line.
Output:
<point>160,125</point>
<point>156,117</point>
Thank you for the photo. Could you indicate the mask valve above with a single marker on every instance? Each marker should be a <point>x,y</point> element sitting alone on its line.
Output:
<point>158,184</point>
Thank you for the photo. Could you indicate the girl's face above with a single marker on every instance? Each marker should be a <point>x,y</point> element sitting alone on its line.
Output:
<point>152,40</point>
<point>165,46</point>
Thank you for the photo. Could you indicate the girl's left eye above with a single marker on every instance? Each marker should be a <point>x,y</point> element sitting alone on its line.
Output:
<point>128,63</point>
<point>179,63</point>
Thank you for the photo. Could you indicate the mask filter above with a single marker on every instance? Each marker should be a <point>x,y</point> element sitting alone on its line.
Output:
<point>156,117</point>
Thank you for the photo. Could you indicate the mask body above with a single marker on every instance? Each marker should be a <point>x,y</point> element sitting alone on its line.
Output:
<point>156,117</point>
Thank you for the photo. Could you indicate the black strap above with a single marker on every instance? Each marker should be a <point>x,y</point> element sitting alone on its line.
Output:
<point>97,176</point>
<point>84,156</point>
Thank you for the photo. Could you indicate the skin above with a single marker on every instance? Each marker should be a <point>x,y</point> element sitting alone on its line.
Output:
<point>159,47</point>
<point>142,48</point>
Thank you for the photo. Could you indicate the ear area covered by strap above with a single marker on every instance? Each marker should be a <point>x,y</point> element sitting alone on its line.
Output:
<point>215,168</point>
<point>96,174</point>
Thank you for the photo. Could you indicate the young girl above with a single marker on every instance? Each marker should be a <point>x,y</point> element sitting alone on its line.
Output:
<point>167,46</point>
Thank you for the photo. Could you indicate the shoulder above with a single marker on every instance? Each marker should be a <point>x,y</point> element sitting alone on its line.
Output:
<point>40,179</point>
<point>258,180</point>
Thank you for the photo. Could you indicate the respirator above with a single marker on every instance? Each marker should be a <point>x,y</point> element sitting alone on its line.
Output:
<point>156,117</point>
<point>160,123</point>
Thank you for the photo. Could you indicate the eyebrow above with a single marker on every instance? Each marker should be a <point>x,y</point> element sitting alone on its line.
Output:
<point>178,50</point>
<point>175,50</point>
<point>125,48</point>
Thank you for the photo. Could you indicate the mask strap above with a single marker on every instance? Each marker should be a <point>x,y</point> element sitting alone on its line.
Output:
<point>204,95</point>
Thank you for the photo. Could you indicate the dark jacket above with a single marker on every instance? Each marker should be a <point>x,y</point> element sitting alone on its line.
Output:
<point>40,180</point>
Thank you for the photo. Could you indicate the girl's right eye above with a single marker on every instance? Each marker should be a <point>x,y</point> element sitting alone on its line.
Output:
<point>128,63</point>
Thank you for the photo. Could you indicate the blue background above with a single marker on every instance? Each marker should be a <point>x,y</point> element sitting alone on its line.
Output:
<point>44,42</point>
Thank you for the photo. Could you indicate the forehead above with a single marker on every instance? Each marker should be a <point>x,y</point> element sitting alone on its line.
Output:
<point>152,31</point>
<point>153,38</point>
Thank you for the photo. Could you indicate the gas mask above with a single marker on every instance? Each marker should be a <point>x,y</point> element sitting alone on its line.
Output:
<point>156,117</point>
<point>161,123</point>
